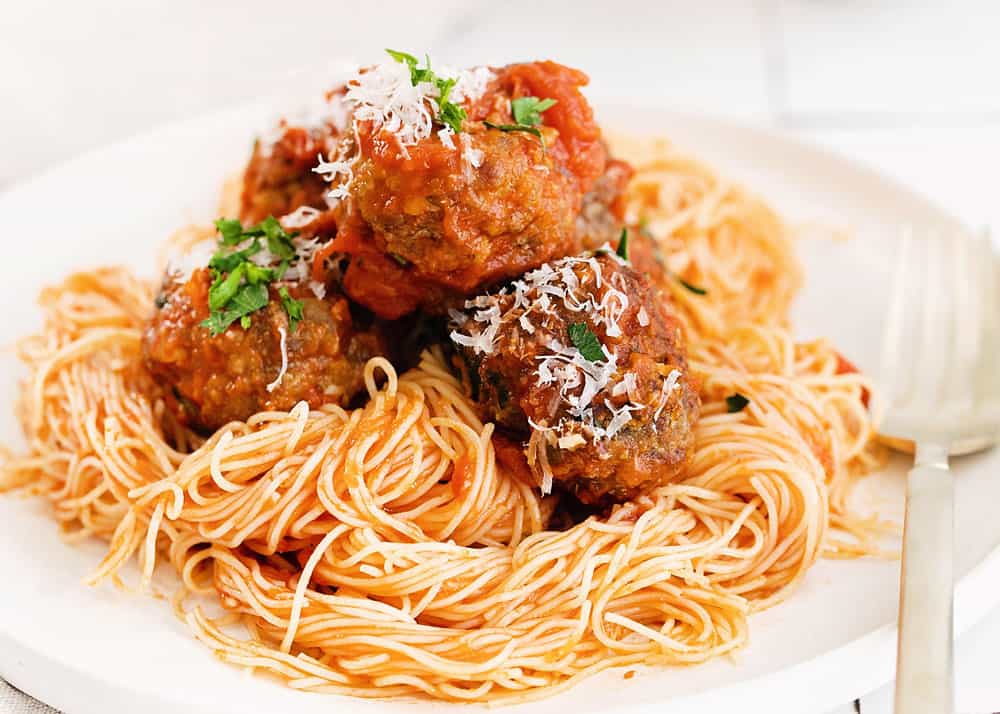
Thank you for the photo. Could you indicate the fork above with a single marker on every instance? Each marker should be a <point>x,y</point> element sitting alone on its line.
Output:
<point>942,392</point>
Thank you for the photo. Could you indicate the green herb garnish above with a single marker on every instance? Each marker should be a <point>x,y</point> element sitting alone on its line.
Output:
<point>736,402</point>
<point>449,113</point>
<point>248,299</point>
<point>226,261</point>
<point>586,341</point>
<point>239,286</point>
<point>292,306</point>
<point>278,242</point>
<point>622,250</point>
<point>515,127</point>
<point>224,288</point>
<point>230,229</point>
<point>527,111</point>
<point>693,288</point>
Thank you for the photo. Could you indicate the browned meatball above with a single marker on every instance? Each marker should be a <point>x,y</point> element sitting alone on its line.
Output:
<point>582,358</point>
<point>279,177</point>
<point>445,217</point>
<point>600,218</point>
<point>217,379</point>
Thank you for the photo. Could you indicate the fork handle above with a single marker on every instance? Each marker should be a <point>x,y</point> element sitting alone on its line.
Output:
<point>924,677</point>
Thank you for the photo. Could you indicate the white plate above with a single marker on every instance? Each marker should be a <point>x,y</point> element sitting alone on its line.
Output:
<point>100,651</point>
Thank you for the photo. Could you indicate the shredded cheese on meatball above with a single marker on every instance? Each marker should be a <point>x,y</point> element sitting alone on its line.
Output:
<point>576,284</point>
<point>327,111</point>
<point>386,96</point>
<point>301,216</point>
<point>669,384</point>
<point>180,266</point>
<point>284,361</point>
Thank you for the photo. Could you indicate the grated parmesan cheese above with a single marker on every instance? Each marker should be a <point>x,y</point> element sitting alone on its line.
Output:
<point>470,84</point>
<point>669,384</point>
<point>181,266</point>
<point>284,361</point>
<point>386,96</point>
<point>315,117</point>
<point>301,216</point>
<point>571,442</point>
<point>445,135</point>
<point>473,157</point>
<point>577,284</point>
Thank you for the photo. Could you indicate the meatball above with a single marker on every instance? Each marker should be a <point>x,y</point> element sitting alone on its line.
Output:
<point>213,380</point>
<point>582,359</point>
<point>600,218</point>
<point>430,223</point>
<point>279,177</point>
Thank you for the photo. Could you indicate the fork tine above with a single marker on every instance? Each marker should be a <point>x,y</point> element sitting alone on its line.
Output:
<point>965,325</point>
<point>895,328</point>
<point>927,360</point>
<point>988,374</point>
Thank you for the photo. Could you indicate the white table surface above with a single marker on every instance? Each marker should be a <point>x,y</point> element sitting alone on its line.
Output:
<point>909,87</point>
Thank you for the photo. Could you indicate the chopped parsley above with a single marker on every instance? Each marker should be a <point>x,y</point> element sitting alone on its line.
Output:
<point>278,242</point>
<point>239,286</point>
<point>527,111</point>
<point>292,306</point>
<point>622,250</point>
<point>226,261</point>
<point>247,299</point>
<point>230,229</point>
<point>736,403</point>
<point>586,341</point>
<point>225,288</point>
<point>449,113</point>
<point>515,127</point>
<point>693,288</point>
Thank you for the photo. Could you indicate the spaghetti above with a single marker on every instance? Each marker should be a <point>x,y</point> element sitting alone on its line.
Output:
<point>385,550</point>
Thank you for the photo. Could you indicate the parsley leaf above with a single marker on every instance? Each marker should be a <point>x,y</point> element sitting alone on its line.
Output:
<point>622,250</point>
<point>736,403</point>
<point>225,262</point>
<point>240,287</point>
<point>527,111</point>
<point>230,229</point>
<point>292,306</point>
<point>693,288</point>
<point>278,242</point>
<point>256,274</point>
<point>224,289</point>
<point>407,59</point>
<point>586,341</point>
<point>515,127</point>
<point>248,299</point>
<point>449,113</point>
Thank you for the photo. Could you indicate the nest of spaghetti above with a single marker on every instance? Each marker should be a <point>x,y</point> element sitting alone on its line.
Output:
<point>455,404</point>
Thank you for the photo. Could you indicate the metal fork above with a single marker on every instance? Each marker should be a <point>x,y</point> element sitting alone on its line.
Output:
<point>941,382</point>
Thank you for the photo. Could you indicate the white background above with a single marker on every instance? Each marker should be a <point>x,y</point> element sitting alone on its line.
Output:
<point>912,88</point>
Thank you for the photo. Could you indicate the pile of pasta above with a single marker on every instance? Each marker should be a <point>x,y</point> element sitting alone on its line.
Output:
<point>383,551</point>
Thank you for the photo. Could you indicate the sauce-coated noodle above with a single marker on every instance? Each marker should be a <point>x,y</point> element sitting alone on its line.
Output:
<point>383,551</point>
